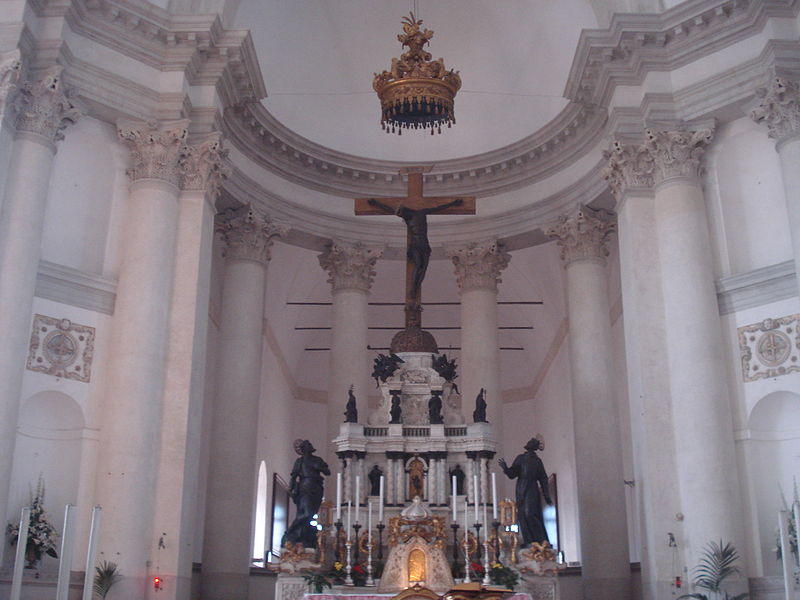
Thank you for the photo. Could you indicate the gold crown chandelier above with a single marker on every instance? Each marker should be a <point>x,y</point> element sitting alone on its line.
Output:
<point>417,92</point>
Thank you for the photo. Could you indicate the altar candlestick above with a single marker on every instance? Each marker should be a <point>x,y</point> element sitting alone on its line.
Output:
<point>358,495</point>
<point>477,496</point>
<point>380,504</point>
<point>19,560</point>
<point>494,496</point>
<point>369,522</point>
<point>466,513</point>
<point>454,498</point>
<point>339,496</point>
<point>349,506</point>
<point>485,523</point>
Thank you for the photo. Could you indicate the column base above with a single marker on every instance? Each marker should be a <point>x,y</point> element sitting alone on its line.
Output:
<point>225,586</point>
<point>616,588</point>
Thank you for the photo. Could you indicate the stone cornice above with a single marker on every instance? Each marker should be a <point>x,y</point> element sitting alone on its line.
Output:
<point>258,135</point>
<point>583,236</point>
<point>636,44</point>
<point>351,267</point>
<point>478,265</point>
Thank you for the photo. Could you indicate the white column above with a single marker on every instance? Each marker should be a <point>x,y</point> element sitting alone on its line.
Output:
<point>10,70</point>
<point>129,436</point>
<point>630,176</point>
<point>780,112</point>
<point>351,269</point>
<point>478,267</point>
<point>709,487</point>
<point>44,112</point>
<point>230,495</point>
<point>598,456</point>
<point>178,470</point>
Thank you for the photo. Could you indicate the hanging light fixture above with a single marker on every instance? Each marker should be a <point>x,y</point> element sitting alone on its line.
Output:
<point>417,92</point>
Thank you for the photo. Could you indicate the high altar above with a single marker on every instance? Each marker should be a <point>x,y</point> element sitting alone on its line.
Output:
<point>419,442</point>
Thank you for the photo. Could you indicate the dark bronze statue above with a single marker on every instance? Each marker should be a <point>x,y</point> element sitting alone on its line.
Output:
<point>306,489</point>
<point>446,369</point>
<point>395,411</point>
<point>479,414</point>
<point>529,472</point>
<point>460,476</point>
<point>385,366</point>
<point>419,250</point>
<point>351,411</point>
<point>374,477</point>
<point>435,407</point>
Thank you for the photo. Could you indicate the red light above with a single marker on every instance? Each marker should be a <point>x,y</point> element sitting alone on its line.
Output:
<point>157,583</point>
<point>678,581</point>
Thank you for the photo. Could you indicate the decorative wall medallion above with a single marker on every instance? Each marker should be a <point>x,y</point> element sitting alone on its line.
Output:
<point>770,348</point>
<point>61,348</point>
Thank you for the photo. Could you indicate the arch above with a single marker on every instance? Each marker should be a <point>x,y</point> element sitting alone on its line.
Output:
<point>49,443</point>
<point>771,452</point>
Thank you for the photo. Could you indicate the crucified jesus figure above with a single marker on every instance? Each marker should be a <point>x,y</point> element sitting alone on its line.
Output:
<point>418,252</point>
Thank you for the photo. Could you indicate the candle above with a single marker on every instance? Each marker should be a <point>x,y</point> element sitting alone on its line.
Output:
<point>62,587</point>
<point>485,527</point>
<point>466,526</point>
<point>91,552</point>
<point>494,496</point>
<point>476,495</point>
<point>455,489</point>
<point>369,521</point>
<point>380,500</point>
<point>339,496</point>
<point>358,495</point>
<point>349,506</point>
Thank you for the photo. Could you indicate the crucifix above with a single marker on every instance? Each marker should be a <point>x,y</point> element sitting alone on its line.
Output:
<point>414,209</point>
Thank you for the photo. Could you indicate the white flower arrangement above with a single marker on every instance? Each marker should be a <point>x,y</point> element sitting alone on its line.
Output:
<point>42,535</point>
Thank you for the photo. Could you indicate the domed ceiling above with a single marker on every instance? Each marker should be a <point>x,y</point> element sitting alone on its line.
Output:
<point>318,58</point>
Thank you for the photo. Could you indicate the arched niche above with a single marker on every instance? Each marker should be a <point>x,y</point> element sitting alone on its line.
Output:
<point>772,452</point>
<point>48,444</point>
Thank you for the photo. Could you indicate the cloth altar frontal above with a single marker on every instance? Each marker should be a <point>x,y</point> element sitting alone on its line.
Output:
<point>352,594</point>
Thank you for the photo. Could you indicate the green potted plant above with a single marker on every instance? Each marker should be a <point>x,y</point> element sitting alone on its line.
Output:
<point>42,535</point>
<point>502,575</point>
<point>716,565</point>
<point>105,576</point>
<point>317,582</point>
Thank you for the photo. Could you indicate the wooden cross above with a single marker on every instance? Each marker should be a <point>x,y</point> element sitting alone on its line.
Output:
<point>413,209</point>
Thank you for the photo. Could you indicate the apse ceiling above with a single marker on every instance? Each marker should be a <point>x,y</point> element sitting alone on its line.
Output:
<point>318,58</point>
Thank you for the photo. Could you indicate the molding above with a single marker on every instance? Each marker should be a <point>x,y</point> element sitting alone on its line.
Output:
<point>636,44</point>
<point>265,141</point>
<point>756,288</point>
<point>75,288</point>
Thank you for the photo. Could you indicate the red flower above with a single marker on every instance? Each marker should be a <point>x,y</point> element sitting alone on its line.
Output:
<point>476,568</point>
<point>359,570</point>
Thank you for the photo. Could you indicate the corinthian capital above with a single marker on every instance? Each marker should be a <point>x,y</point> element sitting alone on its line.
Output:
<point>156,148</point>
<point>10,69</point>
<point>629,166</point>
<point>202,165</point>
<point>678,153</point>
<point>779,109</point>
<point>248,234</point>
<point>44,107</point>
<point>350,267</point>
<point>479,264</point>
<point>583,235</point>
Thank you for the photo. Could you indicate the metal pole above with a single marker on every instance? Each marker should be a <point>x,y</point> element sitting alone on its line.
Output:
<point>19,559</point>
<point>94,534</point>
<point>65,558</point>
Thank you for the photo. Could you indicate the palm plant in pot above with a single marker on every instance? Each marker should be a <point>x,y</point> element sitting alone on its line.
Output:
<point>716,565</point>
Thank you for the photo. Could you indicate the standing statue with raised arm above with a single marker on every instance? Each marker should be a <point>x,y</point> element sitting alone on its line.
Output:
<point>418,252</point>
<point>529,472</point>
<point>306,489</point>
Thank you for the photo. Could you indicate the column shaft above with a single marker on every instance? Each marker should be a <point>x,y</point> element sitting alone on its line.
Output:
<point>21,222</point>
<point>230,496</point>
<point>598,457</point>
<point>630,175</point>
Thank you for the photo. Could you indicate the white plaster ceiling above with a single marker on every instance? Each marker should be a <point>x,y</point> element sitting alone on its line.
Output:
<point>318,58</point>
